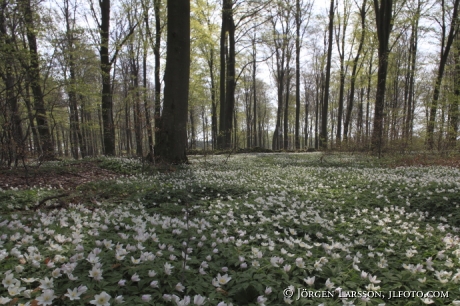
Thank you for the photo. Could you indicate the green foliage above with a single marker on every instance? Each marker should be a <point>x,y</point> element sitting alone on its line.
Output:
<point>121,165</point>
<point>19,200</point>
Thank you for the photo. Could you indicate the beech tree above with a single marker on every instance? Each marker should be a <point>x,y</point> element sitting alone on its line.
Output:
<point>106,62</point>
<point>33,68</point>
<point>172,141</point>
<point>74,89</point>
<point>227,75</point>
<point>384,19</point>
<point>355,68</point>
<point>13,147</point>
<point>323,134</point>
<point>448,34</point>
<point>302,18</point>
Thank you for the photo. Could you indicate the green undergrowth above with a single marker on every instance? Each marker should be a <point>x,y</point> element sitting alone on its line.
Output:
<point>20,200</point>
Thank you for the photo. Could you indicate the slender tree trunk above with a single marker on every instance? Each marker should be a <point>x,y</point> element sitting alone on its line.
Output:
<point>76,139</point>
<point>410,100</point>
<point>213,101</point>
<point>410,79</point>
<point>297,76</point>
<point>360,117</point>
<point>319,90</point>
<point>192,128</point>
<point>148,122</point>
<point>135,94</point>
<point>368,96</point>
<point>128,123</point>
<point>341,36</point>
<point>223,74</point>
<point>16,140</point>
<point>254,90</point>
<point>354,71</point>
<point>286,108</point>
<point>307,104</point>
<point>323,135</point>
<point>452,133</point>
<point>156,53</point>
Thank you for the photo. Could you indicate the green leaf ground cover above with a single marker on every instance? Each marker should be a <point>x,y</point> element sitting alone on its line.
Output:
<point>249,231</point>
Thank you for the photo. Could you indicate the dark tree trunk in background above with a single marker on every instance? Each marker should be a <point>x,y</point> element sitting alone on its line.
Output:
<point>297,76</point>
<point>254,90</point>
<point>341,36</point>
<point>16,145</point>
<point>135,93</point>
<point>446,45</point>
<point>76,139</point>
<point>323,133</point>
<point>148,122</point>
<point>156,53</point>
<point>354,71</point>
<point>227,76</point>
<point>47,145</point>
<point>172,141</point>
<point>213,101</point>
<point>452,133</point>
<point>286,106</point>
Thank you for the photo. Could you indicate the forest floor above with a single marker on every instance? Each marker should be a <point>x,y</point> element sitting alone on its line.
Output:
<point>67,177</point>
<point>241,229</point>
<point>71,174</point>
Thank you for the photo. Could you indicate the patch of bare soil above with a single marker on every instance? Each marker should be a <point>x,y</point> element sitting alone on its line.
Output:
<point>65,177</point>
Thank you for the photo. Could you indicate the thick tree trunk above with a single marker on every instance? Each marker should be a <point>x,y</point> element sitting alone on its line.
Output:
<point>106,67</point>
<point>384,19</point>
<point>172,141</point>
<point>227,75</point>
